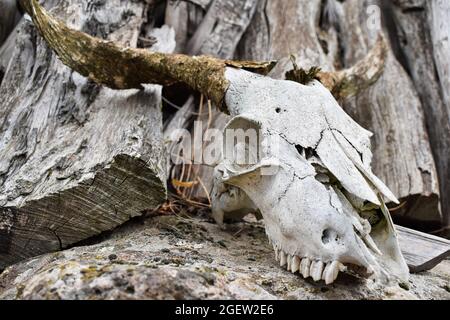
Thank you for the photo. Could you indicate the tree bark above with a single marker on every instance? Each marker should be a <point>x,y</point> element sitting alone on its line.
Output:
<point>392,110</point>
<point>423,29</point>
<point>76,159</point>
<point>9,17</point>
<point>184,17</point>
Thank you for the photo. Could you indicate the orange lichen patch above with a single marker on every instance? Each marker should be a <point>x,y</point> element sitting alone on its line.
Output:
<point>183,184</point>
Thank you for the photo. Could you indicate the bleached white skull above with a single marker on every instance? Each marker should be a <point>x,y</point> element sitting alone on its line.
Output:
<point>322,206</point>
<point>311,179</point>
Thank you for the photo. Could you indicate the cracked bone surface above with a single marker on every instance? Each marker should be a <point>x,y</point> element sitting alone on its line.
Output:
<point>312,182</point>
<point>323,207</point>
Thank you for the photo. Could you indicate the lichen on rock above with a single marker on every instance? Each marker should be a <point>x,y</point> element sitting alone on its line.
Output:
<point>170,257</point>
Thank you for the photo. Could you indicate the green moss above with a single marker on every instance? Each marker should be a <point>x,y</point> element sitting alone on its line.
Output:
<point>300,75</point>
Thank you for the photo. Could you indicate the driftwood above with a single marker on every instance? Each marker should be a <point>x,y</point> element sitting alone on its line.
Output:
<point>9,17</point>
<point>422,251</point>
<point>76,159</point>
<point>392,110</point>
<point>184,17</point>
<point>422,29</point>
<point>222,27</point>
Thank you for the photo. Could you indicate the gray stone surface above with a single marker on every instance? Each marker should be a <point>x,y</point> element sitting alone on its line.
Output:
<point>174,257</point>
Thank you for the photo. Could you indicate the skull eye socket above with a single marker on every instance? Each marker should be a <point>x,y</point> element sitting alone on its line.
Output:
<point>242,142</point>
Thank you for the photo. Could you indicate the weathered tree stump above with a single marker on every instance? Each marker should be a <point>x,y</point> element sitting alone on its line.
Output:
<point>423,31</point>
<point>75,159</point>
<point>392,110</point>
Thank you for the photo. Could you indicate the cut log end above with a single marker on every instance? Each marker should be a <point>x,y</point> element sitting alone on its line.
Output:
<point>76,159</point>
<point>119,191</point>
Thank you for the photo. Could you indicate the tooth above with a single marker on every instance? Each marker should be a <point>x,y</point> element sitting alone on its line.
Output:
<point>282,258</point>
<point>316,270</point>
<point>295,266</point>
<point>331,272</point>
<point>289,261</point>
<point>304,267</point>
<point>324,269</point>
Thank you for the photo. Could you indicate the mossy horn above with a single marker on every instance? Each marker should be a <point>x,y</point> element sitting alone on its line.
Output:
<point>118,67</point>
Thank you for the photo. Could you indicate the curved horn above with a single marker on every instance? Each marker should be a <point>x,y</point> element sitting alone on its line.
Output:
<point>118,67</point>
<point>349,82</point>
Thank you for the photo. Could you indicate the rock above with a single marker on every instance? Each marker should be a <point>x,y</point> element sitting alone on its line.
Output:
<point>170,257</point>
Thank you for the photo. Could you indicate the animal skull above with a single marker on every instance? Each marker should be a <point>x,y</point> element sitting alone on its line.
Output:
<point>311,181</point>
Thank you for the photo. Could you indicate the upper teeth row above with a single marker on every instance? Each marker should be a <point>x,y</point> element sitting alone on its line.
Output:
<point>315,269</point>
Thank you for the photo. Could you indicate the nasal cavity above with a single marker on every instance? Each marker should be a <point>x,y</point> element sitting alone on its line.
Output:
<point>330,235</point>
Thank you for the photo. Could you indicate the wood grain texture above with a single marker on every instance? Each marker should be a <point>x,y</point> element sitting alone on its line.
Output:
<point>9,17</point>
<point>440,31</point>
<point>184,17</point>
<point>280,29</point>
<point>422,251</point>
<point>422,30</point>
<point>75,159</point>
<point>222,28</point>
<point>392,110</point>
<point>6,51</point>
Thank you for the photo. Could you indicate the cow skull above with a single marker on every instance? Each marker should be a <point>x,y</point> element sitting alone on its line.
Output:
<point>310,178</point>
